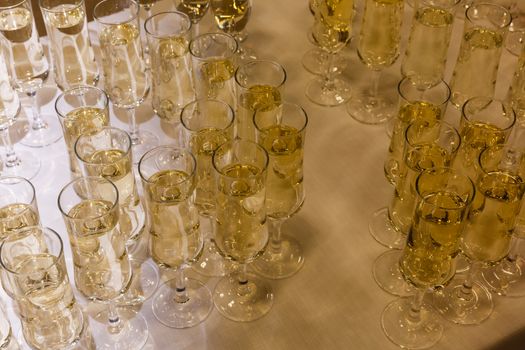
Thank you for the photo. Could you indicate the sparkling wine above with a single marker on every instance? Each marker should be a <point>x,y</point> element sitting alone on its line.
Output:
<point>231,16</point>
<point>256,97</point>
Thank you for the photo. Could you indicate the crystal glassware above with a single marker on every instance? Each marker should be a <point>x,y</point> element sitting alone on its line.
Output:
<point>195,10</point>
<point>169,177</point>
<point>281,132</point>
<point>241,233</point>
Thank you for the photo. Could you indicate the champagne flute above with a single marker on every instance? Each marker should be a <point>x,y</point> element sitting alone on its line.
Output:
<point>28,67</point>
<point>207,124</point>
<point>169,178</point>
<point>240,228</point>
<point>20,163</point>
<point>332,31</point>
<point>103,271</point>
<point>516,94</point>
<point>73,57</point>
<point>444,197</point>
<point>281,133</point>
<point>195,10</point>
<point>378,48</point>
<point>126,79</point>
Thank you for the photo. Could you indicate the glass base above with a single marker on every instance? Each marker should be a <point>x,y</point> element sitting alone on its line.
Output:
<point>280,264</point>
<point>338,91</point>
<point>407,333</point>
<point>146,141</point>
<point>452,304</point>
<point>315,61</point>
<point>506,278</point>
<point>187,313</point>
<point>133,335</point>
<point>243,302</point>
<point>388,276</point>
<point>144,283</point>
<point>51,133</point>
<point>368,109</point>
<point>462,264</point>
<point>27,166</point>
<point>211,263</point>
<point>383,231</point>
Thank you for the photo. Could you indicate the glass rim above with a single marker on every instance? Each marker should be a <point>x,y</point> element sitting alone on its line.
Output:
<point>440,122</point>
<point>98,131</point>
<point>251,63</point>
<point>409,81</point>
<point>152,152</point>
<point>21,179</point>
<point>76,3</point>
<point>295,105</point>
<point>451,5</point>
<point>68,92</point>
<point>19,234</point>
<point>183,121</point>
<point>468,119</point>
<point>17,4</point>
<point>498,147</point>
<point>135,14</point>
<point>163,36</point>
<point>236,141</point>
<point>200,36</point>
<point>114,204</point>
<point>503,10</point>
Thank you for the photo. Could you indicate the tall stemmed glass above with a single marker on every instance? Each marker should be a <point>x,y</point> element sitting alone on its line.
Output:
<point>28,67</point>
<point>125,77</point>
<point>195,10</point>
<point>378,48</point>
<point>20,163</point>
<point>282,134</point>
<point>169,177</point>
<point>486,240</point>
<point>207,124</point>
<point>427,146</point>
<point>73,57</point>
<point>332,31</point>
<point>103,272</point>
<point>443,200</point>
<point>240,228</point>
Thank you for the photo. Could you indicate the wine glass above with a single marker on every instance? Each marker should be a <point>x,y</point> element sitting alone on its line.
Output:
<point>281,133</point>
<point>28,68</point>
<point>73,57</point>
<point>332,31</point>
<point>20,163</point>
<point>378,48</point>
<point>487,236</point>
<point>516,93</point>
<point>168,36</point>
<point>195,10</point>
<point>82,109</point>
<point>443,200</point>
<point>427,146</point>
<point>125,77</point>
<point>103,271</point>
<point>240,228</point>
<point>207,124</point>
<point>169,177</point>
<point>33,259</point>
<point>259,85</point>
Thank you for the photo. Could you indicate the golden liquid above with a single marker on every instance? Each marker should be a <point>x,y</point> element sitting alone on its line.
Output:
<point>378,45</point>
<point>241,232</point>
<point>332,29</point>
<point>102,267</point>
<point>477,65</point>
<point>214,79</point>
<point>46,302</point>
<point>74,60</point>
<point>81,121</point>
<point>284,184</point>
<point>174,220</point>
<point>419,158</point>
<point>517,90</point>
<point>195,9</point>
<point>126,81</point>
<point>492,216</point>
<point>16,24</point>
<point>426,53</point>
<point>256,98</point>
<point>231,16</point>
<point>433,240</point>
<point>16,216</point>
<point>202,144</point>
<point>172,84</point>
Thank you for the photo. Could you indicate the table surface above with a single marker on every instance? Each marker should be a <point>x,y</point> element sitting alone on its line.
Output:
<point>333,302</point>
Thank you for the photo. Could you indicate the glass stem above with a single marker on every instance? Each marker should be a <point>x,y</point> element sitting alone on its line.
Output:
<point>181,295</point>
<point>11,159</point>
<point>114,322</point>
<point>465,292</point>
<point>376,75</point>
<point>414,314</point>
<point>243,288</point>
<point>133,128</point>
<point>514,249</point>
<point>38,123</point>
<point>275,239</point>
